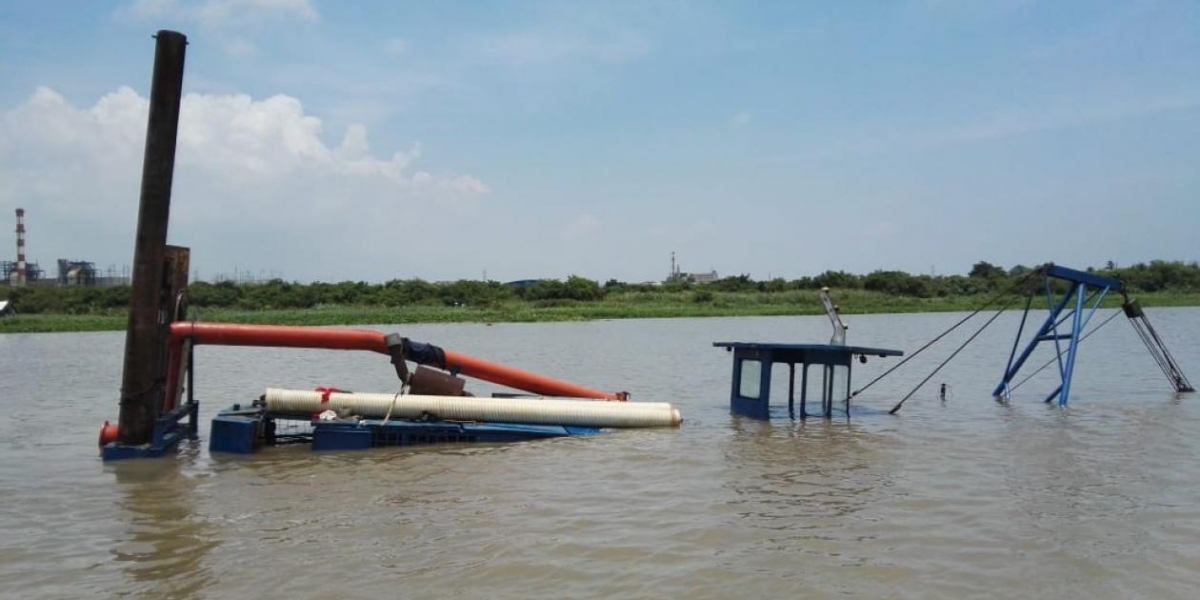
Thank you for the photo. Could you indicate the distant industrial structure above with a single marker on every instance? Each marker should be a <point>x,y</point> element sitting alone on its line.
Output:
<point>76,272</point>
<point>13,275</point>
<point>678,276</point>
<point>241,276</point>
<point>21,271</point>
<point>71,272</point>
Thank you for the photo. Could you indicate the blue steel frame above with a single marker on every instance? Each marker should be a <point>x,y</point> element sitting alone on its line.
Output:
<point>169,429</point>
<point>1088,291</point>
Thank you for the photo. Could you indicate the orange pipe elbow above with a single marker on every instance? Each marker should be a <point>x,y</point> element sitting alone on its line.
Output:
<point>281,336</point>
<point>109,433</point>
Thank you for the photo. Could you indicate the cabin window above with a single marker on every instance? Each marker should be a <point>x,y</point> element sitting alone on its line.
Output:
<point>751,380</point>
<point>839,382</point>
<point>811,383</point>
<point>823,384</point>
<point>781,384</point>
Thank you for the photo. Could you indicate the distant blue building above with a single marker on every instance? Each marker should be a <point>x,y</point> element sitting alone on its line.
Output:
<point>521,284</point>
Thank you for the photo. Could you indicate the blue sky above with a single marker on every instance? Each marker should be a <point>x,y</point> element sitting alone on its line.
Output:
<point>338,140</point>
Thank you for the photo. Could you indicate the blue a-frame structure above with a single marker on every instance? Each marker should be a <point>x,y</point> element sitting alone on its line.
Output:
<point>1083,295</point>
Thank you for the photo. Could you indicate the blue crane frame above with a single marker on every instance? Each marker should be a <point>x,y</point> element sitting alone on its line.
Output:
<point>1087,290</point>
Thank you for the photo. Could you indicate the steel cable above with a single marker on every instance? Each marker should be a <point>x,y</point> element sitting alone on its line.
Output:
<point>896,408</point>
<point>1017,284</point>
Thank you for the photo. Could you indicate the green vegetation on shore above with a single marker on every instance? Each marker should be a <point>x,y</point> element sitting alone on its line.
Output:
<point>48,308</point>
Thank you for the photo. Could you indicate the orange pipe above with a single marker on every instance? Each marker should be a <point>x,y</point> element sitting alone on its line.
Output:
<point>279,336</point>
<point>520,379</point>
<point>226,334</point>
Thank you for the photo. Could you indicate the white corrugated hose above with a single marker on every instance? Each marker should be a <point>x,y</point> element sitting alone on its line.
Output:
<point>537,411</point>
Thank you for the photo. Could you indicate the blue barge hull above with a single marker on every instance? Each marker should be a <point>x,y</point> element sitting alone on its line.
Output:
<point>243,431</point>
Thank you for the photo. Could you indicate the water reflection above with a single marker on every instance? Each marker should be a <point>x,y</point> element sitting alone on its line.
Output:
<point>167,541</point>
<point>1084,489</point>
<point>785,474</point>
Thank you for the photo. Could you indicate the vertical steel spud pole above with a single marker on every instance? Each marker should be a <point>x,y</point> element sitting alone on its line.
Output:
<point>142,386</point>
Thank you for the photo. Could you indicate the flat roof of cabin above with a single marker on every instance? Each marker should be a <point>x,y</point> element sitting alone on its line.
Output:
<point>809,348</point>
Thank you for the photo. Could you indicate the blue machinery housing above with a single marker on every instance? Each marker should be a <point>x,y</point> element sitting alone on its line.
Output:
<point>824,376</point>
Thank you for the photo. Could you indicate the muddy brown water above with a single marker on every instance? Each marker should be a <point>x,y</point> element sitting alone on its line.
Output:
<point>958,499</point>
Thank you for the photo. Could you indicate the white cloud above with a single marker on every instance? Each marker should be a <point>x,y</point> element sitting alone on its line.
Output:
<point>878,231</point>
<point>740,120</point>
<point>548,48</point>
<point>239,47</point>
<point>243,165</point>
<point>986,128</point>
<point>682,231</point>
<point>395,46</point>
<point>1050,116</point>
<point>220,11</point>
<point>585,225</point>
<point>981,8</point>
<point>216,13</point>
<point>227,21</point>
<point>149,9</point>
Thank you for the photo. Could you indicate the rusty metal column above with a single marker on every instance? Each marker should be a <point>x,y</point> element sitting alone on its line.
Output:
<point>146,334</point>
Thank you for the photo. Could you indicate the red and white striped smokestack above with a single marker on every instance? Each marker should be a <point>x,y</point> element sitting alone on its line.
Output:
<point>20,246</point>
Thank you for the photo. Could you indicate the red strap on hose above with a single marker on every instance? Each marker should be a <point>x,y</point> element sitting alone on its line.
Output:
<point>325,392</point>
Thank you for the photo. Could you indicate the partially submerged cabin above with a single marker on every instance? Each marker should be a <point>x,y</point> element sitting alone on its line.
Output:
<point>816,375</point>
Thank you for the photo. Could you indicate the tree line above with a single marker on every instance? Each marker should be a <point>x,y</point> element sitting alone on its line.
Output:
<point>984,278</point>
